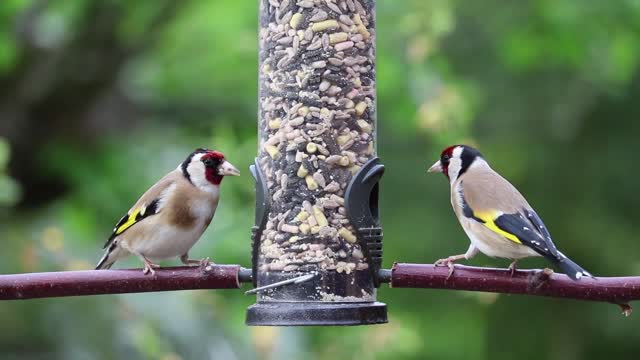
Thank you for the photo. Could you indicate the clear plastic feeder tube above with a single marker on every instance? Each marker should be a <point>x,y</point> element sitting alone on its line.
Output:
<point>317,127</point>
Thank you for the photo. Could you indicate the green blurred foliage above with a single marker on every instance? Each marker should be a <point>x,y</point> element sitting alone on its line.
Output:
<point>99,99</point>
<point>9,189</point>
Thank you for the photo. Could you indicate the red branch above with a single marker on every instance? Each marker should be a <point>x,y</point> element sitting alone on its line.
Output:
<point>616,290</point>
<point>98,282</point>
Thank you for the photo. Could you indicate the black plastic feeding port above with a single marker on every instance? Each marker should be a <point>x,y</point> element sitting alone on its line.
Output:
<point>316,296</point>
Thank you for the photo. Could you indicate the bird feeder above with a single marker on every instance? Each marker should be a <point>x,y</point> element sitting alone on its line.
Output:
<point>317,239</point>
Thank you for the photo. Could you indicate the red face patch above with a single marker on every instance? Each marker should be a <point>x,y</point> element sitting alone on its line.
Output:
<point>217,155</point>
<point>445,156</point>
<point>212,176</point>
<point>212,160</point>
<point>448,151</point>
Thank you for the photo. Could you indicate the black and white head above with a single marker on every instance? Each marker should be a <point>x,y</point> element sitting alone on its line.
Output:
<point>456,160</point>
<point>206,168</point>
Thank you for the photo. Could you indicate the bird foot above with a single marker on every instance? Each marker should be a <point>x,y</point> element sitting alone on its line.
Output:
<point>513,267</point>
<point>450,263</point>
<point>203,263</point>
<point>149,267</point>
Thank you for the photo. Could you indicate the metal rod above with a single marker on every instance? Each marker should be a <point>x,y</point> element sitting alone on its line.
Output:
<point>245,275</point>
<point>384,275</point>
<point>296,280</point>
<point>98,282</point>
<point>617,290</point>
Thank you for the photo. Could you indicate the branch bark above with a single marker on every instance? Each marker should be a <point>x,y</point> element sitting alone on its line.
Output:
<point>616,290</point>
<point>98,282</point>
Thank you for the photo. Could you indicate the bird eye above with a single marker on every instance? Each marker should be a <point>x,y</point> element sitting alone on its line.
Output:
<point>446,158</point>
<point>208,162</point>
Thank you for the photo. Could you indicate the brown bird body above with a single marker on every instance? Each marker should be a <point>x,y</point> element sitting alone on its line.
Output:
<point>172,215</point>
<point>483,193</point>
<point>497,219</point>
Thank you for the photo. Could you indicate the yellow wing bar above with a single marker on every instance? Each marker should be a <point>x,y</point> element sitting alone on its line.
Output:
<point>133,217</point>
<point>488,217</point>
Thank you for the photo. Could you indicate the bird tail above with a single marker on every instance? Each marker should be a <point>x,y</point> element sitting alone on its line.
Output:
<point>108,259</point>
<point>571,269</point>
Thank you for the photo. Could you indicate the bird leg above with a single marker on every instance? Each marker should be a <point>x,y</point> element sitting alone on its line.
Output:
<point>149,266</point>
<point>513,267</point>
<point>449,262</point>
<point>471,252</point>
<point>202,263</point>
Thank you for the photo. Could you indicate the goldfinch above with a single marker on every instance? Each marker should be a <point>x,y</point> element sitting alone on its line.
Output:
<point>172,215</point>
<point>494,215</point>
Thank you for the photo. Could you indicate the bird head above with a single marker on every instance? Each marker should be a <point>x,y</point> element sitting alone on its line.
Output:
<point>205,167</point>
<point>455,161</point>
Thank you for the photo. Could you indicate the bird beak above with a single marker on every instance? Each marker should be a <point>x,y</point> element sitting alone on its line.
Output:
<point>226,169</point>
<point>435,168</point>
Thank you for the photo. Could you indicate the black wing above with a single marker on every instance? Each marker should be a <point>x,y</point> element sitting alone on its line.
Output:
<point>530,230</point>
<point>132,218</point>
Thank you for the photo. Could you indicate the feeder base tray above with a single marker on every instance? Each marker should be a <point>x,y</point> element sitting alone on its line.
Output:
<point>316,314</point>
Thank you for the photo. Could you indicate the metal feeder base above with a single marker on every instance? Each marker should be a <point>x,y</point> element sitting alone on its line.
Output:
<point>316,314</point>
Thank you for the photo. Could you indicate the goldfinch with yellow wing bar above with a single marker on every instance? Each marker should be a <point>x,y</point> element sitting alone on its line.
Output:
<point>172,215</point>
<point>494,215</point>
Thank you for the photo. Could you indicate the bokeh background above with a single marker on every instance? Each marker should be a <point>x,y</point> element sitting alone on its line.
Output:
<point>98,99</point>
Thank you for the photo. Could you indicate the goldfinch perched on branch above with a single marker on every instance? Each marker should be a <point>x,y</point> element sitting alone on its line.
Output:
<point>494,215</point>
<point>172,215</point>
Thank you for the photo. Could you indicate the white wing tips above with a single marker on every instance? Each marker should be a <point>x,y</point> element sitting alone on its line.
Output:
<point>571,269</point>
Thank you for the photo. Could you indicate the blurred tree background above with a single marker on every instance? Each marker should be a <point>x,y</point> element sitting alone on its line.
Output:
<point>98,99</point>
